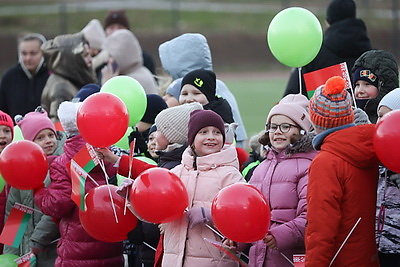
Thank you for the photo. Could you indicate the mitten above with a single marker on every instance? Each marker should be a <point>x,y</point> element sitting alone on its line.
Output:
<point>230,130</point>
<point>395,178</point>
<point>197,215</point>
<point>124,187</point>
<point>37,248</point>
<point>360,117</point>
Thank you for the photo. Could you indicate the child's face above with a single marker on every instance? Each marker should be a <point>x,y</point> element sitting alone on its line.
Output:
<point>281,131</point>
<point>382,111</point>
<point>170,100</point>
<point>5,136</point>
<point>365,90</point>
<point>207,141</point>
<point>190,94</point>
<point>161,141</point>
<point>151,144</point>
<point>47,140</point>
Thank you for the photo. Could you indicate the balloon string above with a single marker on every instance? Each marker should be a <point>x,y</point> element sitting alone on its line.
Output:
<point>345,240</point>
<point>300,82</point>
<point>101,163</point>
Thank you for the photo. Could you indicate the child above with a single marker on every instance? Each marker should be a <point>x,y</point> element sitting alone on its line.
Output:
<point>75,247</point>
<point>200,86</point>
<point>6,137</point>
<point>375,73</point>
<point>282,178</point>
<point>207,167</point>
<point>342,183</point>
<point>42,233</point>
<point>388,204</point>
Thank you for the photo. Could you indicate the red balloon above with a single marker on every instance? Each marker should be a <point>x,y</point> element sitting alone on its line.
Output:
<point>99,220</point>
<point>102,119</point>
<point>23,165</point>
<point>386,140</point>
<point>158,196</point>
<point>243,156</point>
<point>241,213</point>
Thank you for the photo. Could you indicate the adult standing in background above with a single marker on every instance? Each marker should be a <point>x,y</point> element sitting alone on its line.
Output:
<point>68,58</point>
<point>117,20</point>
<point>345,40</point>
<point>22,84</point>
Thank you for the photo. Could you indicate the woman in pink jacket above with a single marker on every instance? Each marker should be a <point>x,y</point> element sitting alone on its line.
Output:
<point>207,167</point>
<point>282,178</point>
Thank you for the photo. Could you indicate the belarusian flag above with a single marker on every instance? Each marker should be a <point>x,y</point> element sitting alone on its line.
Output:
<point>78,180</point>
<point>317,78</point>
<point>86,158</point>
<point>26,260</point>
<point>15,225</point>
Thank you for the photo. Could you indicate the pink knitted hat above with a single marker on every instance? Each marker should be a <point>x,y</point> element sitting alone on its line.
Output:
<point>34,122</point>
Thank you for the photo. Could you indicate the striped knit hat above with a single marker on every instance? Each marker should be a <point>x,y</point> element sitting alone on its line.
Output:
<point>331,105</point>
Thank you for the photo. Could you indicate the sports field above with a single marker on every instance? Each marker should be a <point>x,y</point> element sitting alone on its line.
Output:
<point>256,94</point>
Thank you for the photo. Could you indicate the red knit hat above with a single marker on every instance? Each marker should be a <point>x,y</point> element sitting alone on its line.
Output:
<point>6,120</point>
<point>331,105</point>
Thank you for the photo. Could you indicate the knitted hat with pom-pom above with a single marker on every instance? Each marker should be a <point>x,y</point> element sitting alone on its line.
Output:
<point>33,123</point>
<point>331,105</point>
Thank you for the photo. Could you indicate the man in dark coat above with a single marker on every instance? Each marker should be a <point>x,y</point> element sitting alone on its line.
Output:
<point>22,84</point>
<point>345,40</point>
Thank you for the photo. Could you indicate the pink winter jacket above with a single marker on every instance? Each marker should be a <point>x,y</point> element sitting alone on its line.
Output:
<point>283,180</point>
<point>187,247</point>
<point>76,247</point>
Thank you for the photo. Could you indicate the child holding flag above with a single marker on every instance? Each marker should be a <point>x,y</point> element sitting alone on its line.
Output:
<point>76,247</point>
<point>41,233</point>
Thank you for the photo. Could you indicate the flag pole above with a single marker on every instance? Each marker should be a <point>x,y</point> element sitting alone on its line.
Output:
<point>345,240</point>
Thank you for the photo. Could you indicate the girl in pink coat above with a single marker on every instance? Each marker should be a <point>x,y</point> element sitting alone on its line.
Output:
<point>282,178</point>
<point>207,167</point>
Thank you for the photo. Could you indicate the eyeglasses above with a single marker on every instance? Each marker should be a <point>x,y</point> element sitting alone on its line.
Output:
<point>284,127</point>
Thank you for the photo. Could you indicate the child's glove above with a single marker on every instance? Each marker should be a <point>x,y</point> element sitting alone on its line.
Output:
<point>230,130</point>
<point>360,117</point>
<point>197,215</point>
<point>395,178</point>
<point>37,248</point>
<point>124,187</point>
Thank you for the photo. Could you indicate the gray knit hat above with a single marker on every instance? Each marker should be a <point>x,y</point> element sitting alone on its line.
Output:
<point>391,100</point>
<point>173,122</point>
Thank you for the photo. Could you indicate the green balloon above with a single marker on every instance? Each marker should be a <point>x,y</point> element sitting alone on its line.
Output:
<point>8,260</point>
<point>2,183</point>
<point>295,36</point>
<point>124,142</point>
<point>131,92</point>
<point>17,134</point>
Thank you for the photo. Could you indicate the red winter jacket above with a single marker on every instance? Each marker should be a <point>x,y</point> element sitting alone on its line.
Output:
<point>342,187</point>
<point>76,247</point>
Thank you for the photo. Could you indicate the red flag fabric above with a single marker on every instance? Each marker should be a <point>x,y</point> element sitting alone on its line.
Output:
<point>317,78</point>
<point>227,251</point>
<point>15,225</point>
<point>26,260</point>
<point>78,180</point>
<point>86,158</point>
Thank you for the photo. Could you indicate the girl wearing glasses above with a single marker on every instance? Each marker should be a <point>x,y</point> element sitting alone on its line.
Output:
<point>282,178</point>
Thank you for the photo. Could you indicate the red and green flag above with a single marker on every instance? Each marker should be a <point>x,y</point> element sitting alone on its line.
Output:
<point>78,180</point>
<point>26,260</point>
<point>227,251</point>
<point>16,224</point>
<point>86,158</point>
<point>317,78</point>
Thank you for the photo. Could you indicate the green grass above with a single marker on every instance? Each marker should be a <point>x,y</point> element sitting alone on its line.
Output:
<point>255,98</point>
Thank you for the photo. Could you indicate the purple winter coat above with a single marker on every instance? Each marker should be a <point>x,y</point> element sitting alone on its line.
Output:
<point>282,178</point>
<point>76,247</point>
